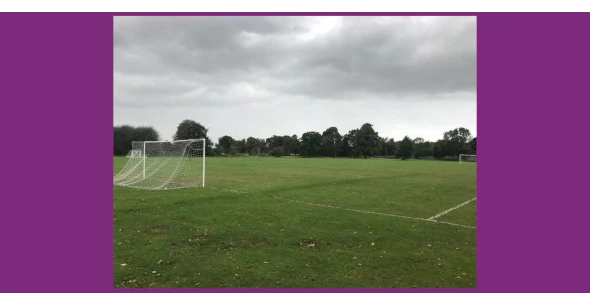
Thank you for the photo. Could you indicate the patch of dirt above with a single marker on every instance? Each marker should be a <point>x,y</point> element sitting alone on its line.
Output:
<point>224,246</point>
<point>309,244</point>
<point>136,211</point>
<point>160,229</point>
<point>201,237</point>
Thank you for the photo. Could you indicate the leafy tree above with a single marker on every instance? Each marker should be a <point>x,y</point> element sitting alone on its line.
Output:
<point>441,149</point>
<point>124,135</point>
<point>311,144</point>
<point>189,129</point>
<point>458,140</point>
<point>217,151</point>
<point>472,147</point>
<point>255,146</point>
<point>224,144</point>
<point>345,147</point>
<point>348,144</point>
<point>422,148</point>
<point>366,141</point>
<point>238,147</point>
<point>277,151</point>
<point>295,144</point>
<point>406,148</point>
<point>387,146</point>
<point>146,133</point>
<point>274,141</point>
<point>290,144</point>
<point>331,142</point>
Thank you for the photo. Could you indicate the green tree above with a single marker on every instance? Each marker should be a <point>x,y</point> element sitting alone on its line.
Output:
<point>472,146</point>
<point>311,144</point>
<point>406,148</point>
<point>217,151</point>
<point>366,141</point>
<point>290,144</point>
<point>238,147</point>
<point>224,144</point>
<point>331,142</point>
<point>348,145</point>
<point>277,151</point>
<point>441,149</point>
<point>146,133</point>
<point>189,129</point>
<point>124,135</point>
<point>274,141</point>
<point>294,145</point>
<point>255,146</point>
<point>422,148</point>
<point>387,147</point>
<point>458,140</point>
<point>123,138</point>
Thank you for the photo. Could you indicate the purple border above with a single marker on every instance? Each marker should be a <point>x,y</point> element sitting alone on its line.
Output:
<point>56,72</point>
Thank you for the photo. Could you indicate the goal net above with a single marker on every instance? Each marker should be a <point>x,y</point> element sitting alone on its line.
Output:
<point>467,158</point>
<point>159,165</point>
<point>135,153</point>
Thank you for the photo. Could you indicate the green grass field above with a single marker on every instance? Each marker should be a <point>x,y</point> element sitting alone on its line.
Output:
<point>301,223</point>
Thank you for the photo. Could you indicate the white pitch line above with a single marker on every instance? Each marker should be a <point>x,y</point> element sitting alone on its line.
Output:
<point>228,190</point>
<point>453,224</point>
<point>453,208</point>
<point>370,212</point>
<point>352,210</point>
<point>240,180</point>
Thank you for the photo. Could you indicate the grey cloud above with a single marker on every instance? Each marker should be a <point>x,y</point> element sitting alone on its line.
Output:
<point>239,61</point>
<point>215,44</point>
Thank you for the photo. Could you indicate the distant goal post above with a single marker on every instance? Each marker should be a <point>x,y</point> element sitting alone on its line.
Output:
<point>463,158</point>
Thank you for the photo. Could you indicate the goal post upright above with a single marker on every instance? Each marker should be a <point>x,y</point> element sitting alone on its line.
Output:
<point>204,145</point>
<point>144,159</point>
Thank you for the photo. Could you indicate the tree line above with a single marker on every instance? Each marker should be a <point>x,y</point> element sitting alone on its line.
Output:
<point>363,142</point>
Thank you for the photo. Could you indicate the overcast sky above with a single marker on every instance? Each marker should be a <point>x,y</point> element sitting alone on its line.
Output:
<point>264,76</point>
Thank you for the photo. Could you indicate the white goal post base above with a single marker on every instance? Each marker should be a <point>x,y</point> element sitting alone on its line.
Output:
<point>467,158</point>
<point>162,165</point>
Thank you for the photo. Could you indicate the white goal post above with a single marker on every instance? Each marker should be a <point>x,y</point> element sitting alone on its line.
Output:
<point>467,158</point>
<point>160,165</point>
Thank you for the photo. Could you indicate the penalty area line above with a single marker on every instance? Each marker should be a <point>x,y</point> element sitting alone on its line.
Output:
<point>453,208</point>
<point>375,213</point>
<point>347,209</point>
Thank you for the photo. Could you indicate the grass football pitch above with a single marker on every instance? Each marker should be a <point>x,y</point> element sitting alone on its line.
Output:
<point>302,223</point>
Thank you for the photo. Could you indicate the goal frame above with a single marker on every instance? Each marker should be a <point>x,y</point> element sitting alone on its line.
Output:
<point>141,153</point>
<point>465,155</point>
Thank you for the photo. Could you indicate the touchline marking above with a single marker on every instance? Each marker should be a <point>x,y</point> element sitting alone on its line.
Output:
<point>453,208</point>
<point>370,212</point>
